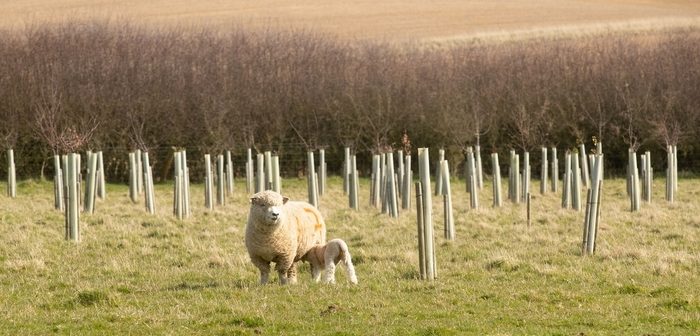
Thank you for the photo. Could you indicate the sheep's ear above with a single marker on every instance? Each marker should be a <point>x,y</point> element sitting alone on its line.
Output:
<point>253,200</point>
<point>285,199</point>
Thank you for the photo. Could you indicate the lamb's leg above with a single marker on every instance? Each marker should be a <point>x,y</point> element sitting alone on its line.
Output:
<point>329,272</point>
<point>315,271</point>
<point>264,267</point>
<point>351,269</point>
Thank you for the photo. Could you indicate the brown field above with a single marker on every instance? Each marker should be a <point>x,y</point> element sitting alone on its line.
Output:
<point>388,19</point>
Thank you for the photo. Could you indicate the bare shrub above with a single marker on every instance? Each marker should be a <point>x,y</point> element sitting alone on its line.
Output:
<point>213,90</point>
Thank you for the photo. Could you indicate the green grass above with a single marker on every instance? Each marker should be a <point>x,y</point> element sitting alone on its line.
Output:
<point>134,273</point>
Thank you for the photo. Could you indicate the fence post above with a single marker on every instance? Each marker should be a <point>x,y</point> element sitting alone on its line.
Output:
<point>249,171</point>
<point>72,196</point>
<point>133,178</point>
<point>517,176</point>
<point>64,165</point>
<point>479,168</point>
<point>58,183</point>
<point>591,163</point>
<point>220,180</point>
<point>375,185</point>
<point>229,173</point>
<point>669,193</point>
<point>101,184</point>
<point>424,172</point>
<point>576,183</point>
<point>139,175</point>
<point>260,174</point>
<point>276,178</point>
<point>407,180</point>
<point>543,172</point>
<point>447,201</point>
<point>182,194</point>
<point>422,260</point>
<point>268,170</point>
<point>634,181</point>
<point>566,182</point>
<point>310,178</point>
<point>321,172</point>
<point>186,188</point>
<point>643,177</point>
<point>178,194</point>
<point>526,175</point>
<point>471,178</point>
<point>346,171</point>
<point>400,171</point>
<point>675,170</point>
<point>148,185</point>
<point>90,183</point>
<point>586,223</point>
<point>352,183</point>
<point>585,176</point>
<point>599,151</point>
<point>438,172</point>
<point>208,183</point>
<point>637,186</point>
<point>555,170</point>
<point>355,180</point>
<point>669,174</point>
<point>497,200</point>
<point>382,183</point>
<point>11,174</point>
<point>649,174</point>
<point>511,176</point>
<point>592,217</point>
<point>393,205</point>
<point>529,210</point>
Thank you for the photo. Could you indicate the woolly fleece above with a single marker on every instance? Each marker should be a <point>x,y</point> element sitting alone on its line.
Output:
<point>325,257</point>
<point>282,232</point>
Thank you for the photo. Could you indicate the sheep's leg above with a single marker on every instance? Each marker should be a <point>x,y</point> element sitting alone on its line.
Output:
<point>292,273</point>
<point>282,270</point>
<point>283,276</point>
<point>264,267</point>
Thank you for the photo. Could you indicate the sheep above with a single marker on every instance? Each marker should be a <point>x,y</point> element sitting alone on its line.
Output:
<point>325,257</point>
<point>281,231</point>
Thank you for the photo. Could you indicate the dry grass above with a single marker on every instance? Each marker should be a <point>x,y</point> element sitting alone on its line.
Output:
<point>392,19</point>
<point>140,274</point>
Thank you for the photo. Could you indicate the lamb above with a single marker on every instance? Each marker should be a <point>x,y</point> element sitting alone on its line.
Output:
<point>325,257</point>
<point>281,231</point>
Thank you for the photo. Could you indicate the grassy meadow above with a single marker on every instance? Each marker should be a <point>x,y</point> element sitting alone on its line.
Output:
<point>135,273</point>
<point>159,61</point>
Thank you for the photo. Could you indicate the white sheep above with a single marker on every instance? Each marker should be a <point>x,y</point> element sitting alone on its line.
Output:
<point>282,232</point>
<point>325,257</point>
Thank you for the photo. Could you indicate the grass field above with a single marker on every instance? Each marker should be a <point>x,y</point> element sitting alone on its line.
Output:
<point>135,273</point>
<point>391,19</point>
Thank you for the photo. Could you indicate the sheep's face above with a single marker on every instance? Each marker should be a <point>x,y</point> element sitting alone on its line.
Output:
<point>267,206</point>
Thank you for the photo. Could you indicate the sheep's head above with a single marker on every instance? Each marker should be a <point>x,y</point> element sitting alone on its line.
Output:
<point>267,206</point>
